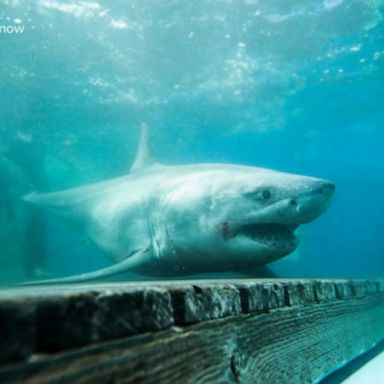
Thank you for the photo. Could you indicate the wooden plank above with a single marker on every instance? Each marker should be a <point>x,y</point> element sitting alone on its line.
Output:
<point>201,302</point>
<point>17,330</point>
<point>251,331</point>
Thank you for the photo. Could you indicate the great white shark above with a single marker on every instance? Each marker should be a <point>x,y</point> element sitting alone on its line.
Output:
<point>178,220</point>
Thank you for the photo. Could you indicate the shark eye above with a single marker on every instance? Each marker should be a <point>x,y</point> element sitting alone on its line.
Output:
<point>266,194</point>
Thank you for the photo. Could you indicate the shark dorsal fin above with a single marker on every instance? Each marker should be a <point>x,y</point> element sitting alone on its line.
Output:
<point>144,153</point>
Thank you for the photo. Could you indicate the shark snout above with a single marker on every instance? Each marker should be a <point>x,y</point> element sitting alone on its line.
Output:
<point>311,202</point>
<point>304,204</point>
<point>324,187</point>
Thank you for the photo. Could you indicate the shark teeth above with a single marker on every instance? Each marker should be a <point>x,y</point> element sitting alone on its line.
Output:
<point>272,235</point>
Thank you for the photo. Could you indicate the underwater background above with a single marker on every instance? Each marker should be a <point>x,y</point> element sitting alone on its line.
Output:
<point>296,86</point>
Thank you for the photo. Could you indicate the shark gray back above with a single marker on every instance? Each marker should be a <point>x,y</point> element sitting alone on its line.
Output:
<point>179,220</point>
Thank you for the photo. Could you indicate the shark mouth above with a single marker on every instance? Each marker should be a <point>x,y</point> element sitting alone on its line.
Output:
<point>271,235</point>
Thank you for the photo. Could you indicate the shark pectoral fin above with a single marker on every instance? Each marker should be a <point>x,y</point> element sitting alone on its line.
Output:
<point>138,258</point>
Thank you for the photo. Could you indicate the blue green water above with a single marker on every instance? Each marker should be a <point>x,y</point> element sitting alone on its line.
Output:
<point>290,85</point>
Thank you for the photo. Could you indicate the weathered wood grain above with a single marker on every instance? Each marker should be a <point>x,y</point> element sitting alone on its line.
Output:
<point>17,324</point>
<point>241,331</point>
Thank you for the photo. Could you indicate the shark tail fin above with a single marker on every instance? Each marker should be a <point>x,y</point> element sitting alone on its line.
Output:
<point>45,200</point>
<point>33,198</point>
<point>69,205</point>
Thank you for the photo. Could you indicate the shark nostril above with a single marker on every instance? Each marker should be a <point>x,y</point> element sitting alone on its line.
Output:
<point>294,204</point>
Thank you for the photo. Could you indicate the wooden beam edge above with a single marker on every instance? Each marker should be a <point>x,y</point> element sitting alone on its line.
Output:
<point>51,320</point>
